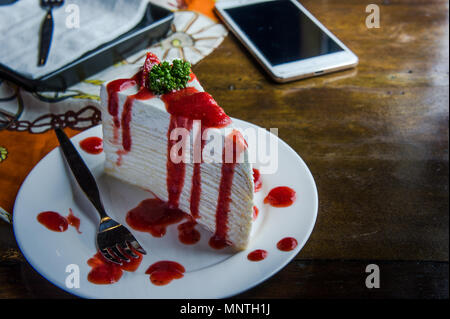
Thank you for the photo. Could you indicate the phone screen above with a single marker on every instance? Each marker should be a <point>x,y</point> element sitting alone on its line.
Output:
<point>282,32</point>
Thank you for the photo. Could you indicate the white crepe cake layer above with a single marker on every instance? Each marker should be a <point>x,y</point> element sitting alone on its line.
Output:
<point>145,164</point>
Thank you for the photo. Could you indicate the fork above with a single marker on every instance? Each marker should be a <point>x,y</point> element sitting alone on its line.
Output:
<point>47,29</point>
<point>114,240</point>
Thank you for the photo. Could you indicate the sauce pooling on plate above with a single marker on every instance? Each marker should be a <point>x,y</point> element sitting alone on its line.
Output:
<point>92,145</point>
<point>257,255</point>
<point>104,272</point>
<point>153,216</point>
<point>73,220</point>
<point>287,244</point>
<point>163,272</point>
<point>58,223</point>
<point>281,196</point>
<point>53,221</point>
<point>187,234</point>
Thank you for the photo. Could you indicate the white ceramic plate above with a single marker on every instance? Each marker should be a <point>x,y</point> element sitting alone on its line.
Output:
<point>209,273</point>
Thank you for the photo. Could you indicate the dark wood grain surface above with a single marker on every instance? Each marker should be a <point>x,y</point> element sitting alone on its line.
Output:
<point>375,139</point>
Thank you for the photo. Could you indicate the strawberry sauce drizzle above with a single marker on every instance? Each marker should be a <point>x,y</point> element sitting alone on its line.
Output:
<point>219,239</point>
<point>185,106</point>
<point>163,272</point>
<point>150,61</point>
<point>73,220</point>
<point>237,144</point>
<point>287,244</point>
<point>255,212</point>
<point>116,86</point>
<point>53,221</point>
<point>187,234</point>
<point>113,88</point>
<point>176,171</point>
<point>142,94</point>
<point>104,272</point>
<point>196,177</point>
<point>281,196</point>
<point>192,77</point>
<point>257,255</point>
<point>196,105</point>
<point>58,223</point>
<point>257,180</point>
<point>153,216</point>
<point>92,145</point>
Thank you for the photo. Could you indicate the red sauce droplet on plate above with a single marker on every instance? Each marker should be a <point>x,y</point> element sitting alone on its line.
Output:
<point>58,223</point>
<point>255,212</point>
<point>287,244</point>
<point>53,221</point>
<point>104,272</point>
<point>92,145</point>
<point>73,221</point>
<point>163,272</point>
<point>257,180</point>
<point>282,196</point>
<point>187,233</point>
<point>153,216</point>
<point>257,255</point>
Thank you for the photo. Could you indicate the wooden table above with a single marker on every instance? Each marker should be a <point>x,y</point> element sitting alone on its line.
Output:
<point>375,139</point>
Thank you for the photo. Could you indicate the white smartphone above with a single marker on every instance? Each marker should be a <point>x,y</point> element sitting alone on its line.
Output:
<point>285,38</point>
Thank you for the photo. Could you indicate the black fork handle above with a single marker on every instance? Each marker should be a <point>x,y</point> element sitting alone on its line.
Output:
<point>80,171</point>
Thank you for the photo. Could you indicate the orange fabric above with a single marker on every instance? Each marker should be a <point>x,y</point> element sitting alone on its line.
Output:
<point>25,150</point>
<point>203,6</point>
